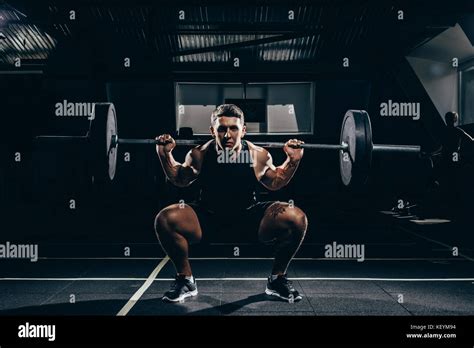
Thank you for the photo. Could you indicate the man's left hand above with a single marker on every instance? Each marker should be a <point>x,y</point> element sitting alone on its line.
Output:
<point>293,149</point>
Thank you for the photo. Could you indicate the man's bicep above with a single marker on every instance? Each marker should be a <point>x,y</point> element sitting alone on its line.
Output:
<point>268,170</point>
<point>192,163</point>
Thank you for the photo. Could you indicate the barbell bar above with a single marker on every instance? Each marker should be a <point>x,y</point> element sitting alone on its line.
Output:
<point>185,142</point>
<point>278,145</point>
<point>355,147</point>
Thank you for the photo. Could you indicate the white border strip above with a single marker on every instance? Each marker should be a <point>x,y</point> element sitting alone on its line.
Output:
<point>136,296</point>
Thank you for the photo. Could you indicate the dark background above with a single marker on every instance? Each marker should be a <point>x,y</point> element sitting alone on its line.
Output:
<point>86,66</point>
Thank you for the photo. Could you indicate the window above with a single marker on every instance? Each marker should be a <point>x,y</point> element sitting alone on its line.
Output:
<point>466,94</point>
<point>273,108</point>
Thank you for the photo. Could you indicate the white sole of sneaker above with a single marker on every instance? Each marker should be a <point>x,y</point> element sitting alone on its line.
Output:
<point>276,294</point>
<point>181,298</point>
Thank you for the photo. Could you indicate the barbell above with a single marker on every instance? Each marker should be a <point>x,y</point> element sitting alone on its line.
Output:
<point>355,147</point>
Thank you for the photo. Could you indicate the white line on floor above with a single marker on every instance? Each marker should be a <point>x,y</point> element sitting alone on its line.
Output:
<point>136,296</point>
<point>356,279</point>
<point>240,279</point>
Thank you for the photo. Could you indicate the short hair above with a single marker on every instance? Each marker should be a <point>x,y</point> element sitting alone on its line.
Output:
<point>451,117</point>
<point>230,110</point>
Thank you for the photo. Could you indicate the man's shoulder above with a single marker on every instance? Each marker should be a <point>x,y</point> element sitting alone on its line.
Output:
<point>258,150</point>
<point>201,149</point>
<point>260,156</point>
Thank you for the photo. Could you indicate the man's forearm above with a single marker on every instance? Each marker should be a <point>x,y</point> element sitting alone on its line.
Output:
<point>284,173</point>
<point>172,169</point>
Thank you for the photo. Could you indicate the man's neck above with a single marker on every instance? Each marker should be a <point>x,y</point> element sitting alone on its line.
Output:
<point>236,150</point>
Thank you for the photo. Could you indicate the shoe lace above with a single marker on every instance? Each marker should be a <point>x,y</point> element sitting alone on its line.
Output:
<point>178,283</point>
<point>288,284</point>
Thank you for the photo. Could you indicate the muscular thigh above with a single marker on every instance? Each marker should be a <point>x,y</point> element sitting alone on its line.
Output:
<point>181,219</point>
<point>255,218</point>
<point>277,221</point>
<point>208,222</point>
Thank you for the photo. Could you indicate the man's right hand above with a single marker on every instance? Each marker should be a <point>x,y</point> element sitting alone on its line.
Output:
<point>169,142</point>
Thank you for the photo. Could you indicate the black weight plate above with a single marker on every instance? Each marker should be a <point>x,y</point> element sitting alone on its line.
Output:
<point>355,163</point>
<point>104,158</point>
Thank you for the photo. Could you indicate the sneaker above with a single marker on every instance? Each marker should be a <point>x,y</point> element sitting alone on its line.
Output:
<point>282,288</point>
<point>180,289</point>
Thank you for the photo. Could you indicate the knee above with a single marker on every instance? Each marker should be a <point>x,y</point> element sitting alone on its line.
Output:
<point>292,217</point>
<point>168,219</point>
<point>298,222</point>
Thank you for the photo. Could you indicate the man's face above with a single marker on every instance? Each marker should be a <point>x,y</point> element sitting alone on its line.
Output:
<point>228,131</point>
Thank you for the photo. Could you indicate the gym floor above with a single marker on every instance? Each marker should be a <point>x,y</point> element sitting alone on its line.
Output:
<point>409,269</point>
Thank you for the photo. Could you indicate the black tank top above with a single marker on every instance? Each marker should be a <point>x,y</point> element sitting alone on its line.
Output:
<point>227,185</point>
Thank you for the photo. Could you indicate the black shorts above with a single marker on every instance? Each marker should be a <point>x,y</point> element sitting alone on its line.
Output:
<point>235,226</point>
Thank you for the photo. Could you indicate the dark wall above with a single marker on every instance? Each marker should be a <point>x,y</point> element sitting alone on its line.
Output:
<point>144,110</point>
<point>395,176</point>
<point>42,185</point>
<point>21,101</point>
